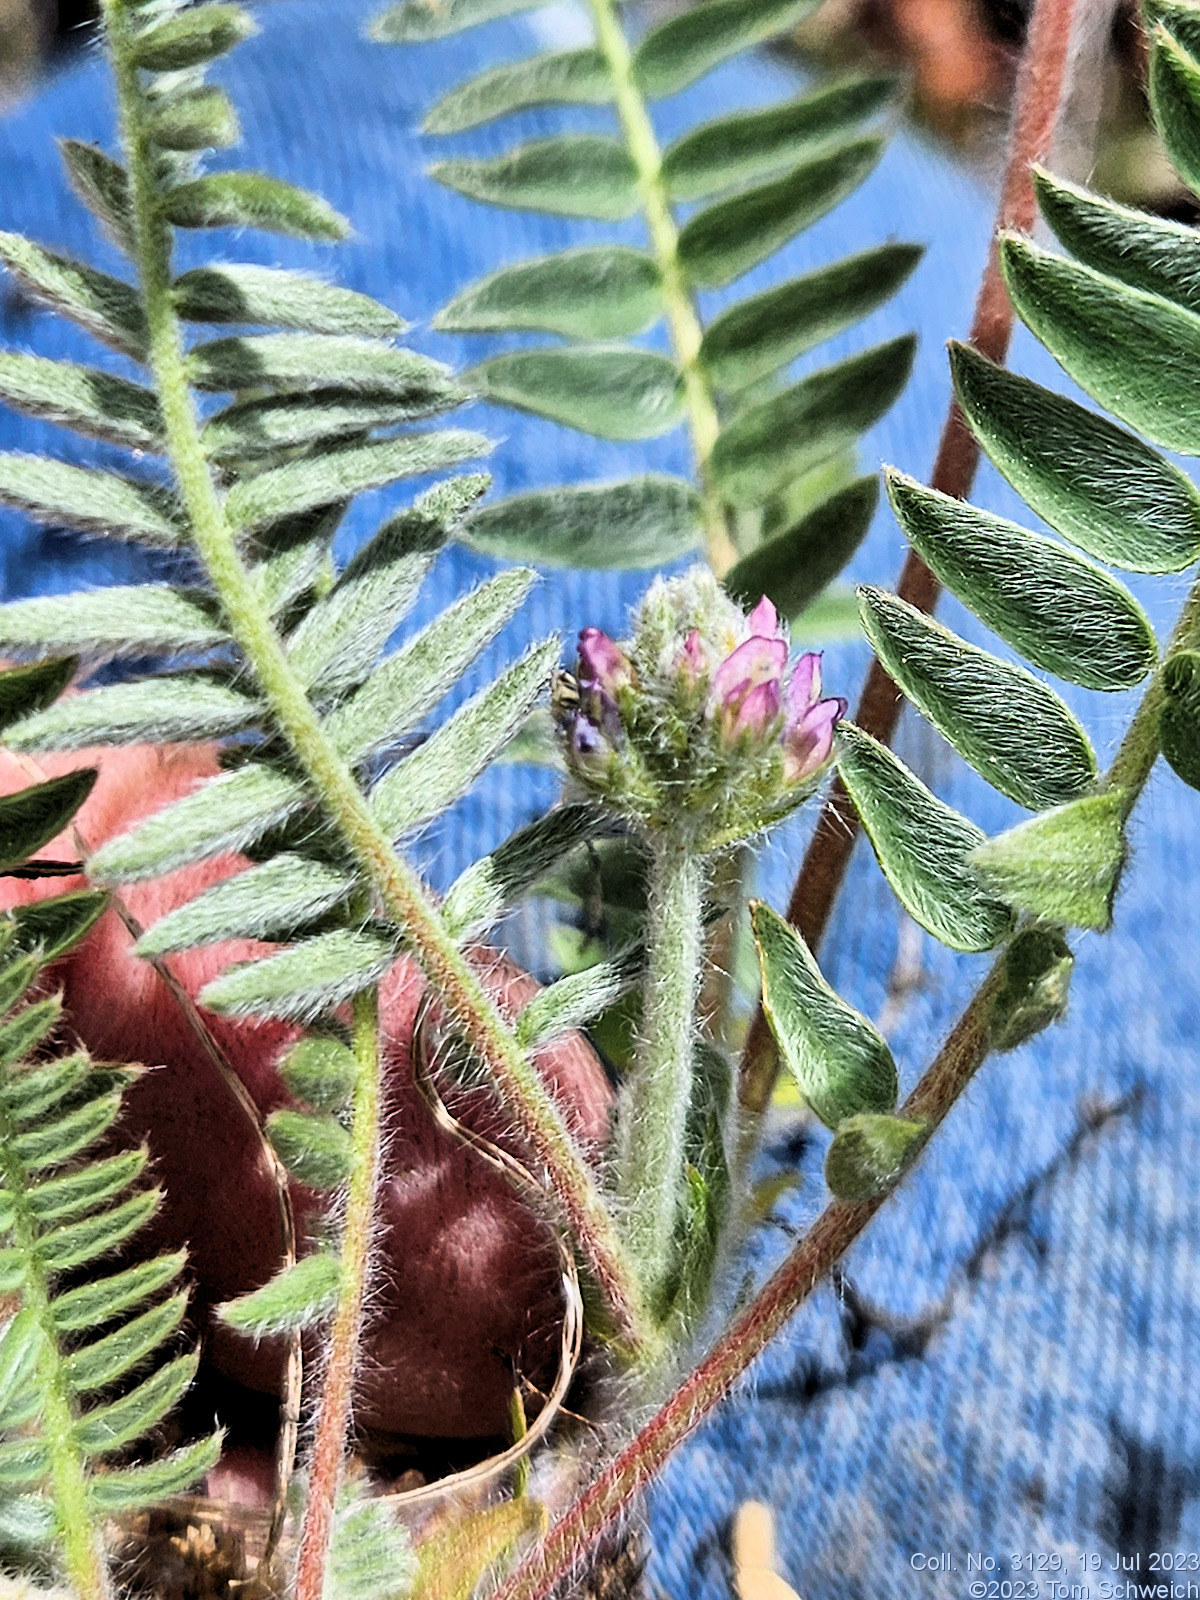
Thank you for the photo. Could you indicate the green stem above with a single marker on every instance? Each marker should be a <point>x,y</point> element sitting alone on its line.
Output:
<point>654,1114</point>
<point>1139,749</point>
<point>82,1546</point>
<point>535,1114</point>
<point>328,1452</point>
<point>684,324</point>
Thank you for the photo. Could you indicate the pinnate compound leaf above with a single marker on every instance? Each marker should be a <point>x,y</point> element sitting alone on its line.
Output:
<point>922,844</point>
<point>321,1072</point>
<point>1063,865</point>
<point>441,770</point>
<point>203,119</point>
<point>641,522</point>
<point>149,711</point>
<point>479,897</point>
<point>341,474</point>
<point>839,1060</point>
<point>103,186</point>
<point>580,997</point>
<point>573,175</point>
<point>1175,100</point>
<point>870,1154</point>
<point>762,451</point>
<point>1094,483</point>
<point>96,404</point>
<point>417,21</point>
<point>24,690</point>
<point>95,502</point>
<point>688,45</point>
<point>107,308</point>
<point>135,619</point>
<point>313,977</point>
<point>191,37</point>
<point>314,1147</point>
<point>1138,355</point>
<point>32,817</point>
<point>792,568</point>
<point>1061,612</point>
<point>729,237</point>
<point>758,336</point>
<point>749,145</point>
<point>130,1488</point>
<point>1179,719</point>
<point>612,391</point>
<point>560,77</point>
<point>1036,979</point>
<point>594,292</point>
<point>1001,719</point>
<point>298,1297</point>
<point>252,200</point>
<point>271,901</point>
<point>271,297</point>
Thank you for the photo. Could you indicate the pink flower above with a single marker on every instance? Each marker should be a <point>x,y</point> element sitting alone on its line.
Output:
<point>747,687</point>
<point>809,721</point>
<point>603,664</point>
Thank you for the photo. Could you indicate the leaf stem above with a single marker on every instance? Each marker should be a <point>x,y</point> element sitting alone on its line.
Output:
<point>333,1417</point>
<point>1037,104</point>
<point>82,1545</point>
<point>682,320</point>
<point>534,1111</point>
<point>653,1115</point>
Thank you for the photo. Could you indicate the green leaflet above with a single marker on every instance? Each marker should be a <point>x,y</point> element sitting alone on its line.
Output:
<point>1093,482</point>
<point>95,1303</point>
<point>839,1060</point>
<point>21,1034</point>
<point>138,619</point>
<point>580,997</point>
<point>270,427</point>
<point>1063,865</point>
<point>688,45</point>
<point>1139,356</point>
<point>96,1365</point>
<point>31,1093</point>
<point>131,1487</point>
<point>314,1147</point>
<point>640,522</point>
<point>612,391</point>
<point>758,336</point>
<point>415,21</point>
<point>479,896</point>
<point>729,237</point>
<point>203,119</point>
<point>107,308</point>
<point>749,145</point>
<point>341,474</point>
<point>411,681</point>
<point>1146,252</point>
<point>922,845</point>
<point>297,1297</point>
<point>312,978</point>
<point>1009,726</point>
<point>103,186</point>
<point>32,817</point>
<point>595,292</point>
<point>155,710</point>
<point>1179,719</point>
<point>96,404</point>
<point>367,1540</point>
<point>560,77</point>
<point>297,362</point>
<point>53,926</point>
<point>441,770</point>
<point>573,175</point>
<point>1061,612</point>
<point>227,813</point>
<point>96,502</point>
<point>72,1244</point>
<point>191,37</point>
<point>57,1199</point>
<point>27,689</point>
<point>321,1071</point>
<point>793,567</point>
<point>1175,99</point>
<point>871,1153</point>
<point>273,297</point>
<point>771,444</point>
<point>252,200</point>
<point>272,901</point>
<point>112,1427</point>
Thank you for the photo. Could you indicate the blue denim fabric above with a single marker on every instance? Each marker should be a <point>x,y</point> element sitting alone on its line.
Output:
<point>1027,1387</point>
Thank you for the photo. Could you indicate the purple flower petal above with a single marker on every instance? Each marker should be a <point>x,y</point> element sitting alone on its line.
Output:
<point>756,660</point>
<point>693,660</point>
<point>602,662</point>
<point>808,746</point>
<point>804,686</point>
<point>758,710</point>
<point>763,621</point>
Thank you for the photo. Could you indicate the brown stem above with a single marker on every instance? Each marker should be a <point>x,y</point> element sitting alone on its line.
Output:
<point>1038,100</point>
<point>834,1231</point>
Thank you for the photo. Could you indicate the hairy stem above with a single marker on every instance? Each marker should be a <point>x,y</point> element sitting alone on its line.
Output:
<point>654,1112</point>
<point>82,1545</point>
<point>1038,101</point>
<point>684,324</point>
<point>333,1417</point>
<point>534,1112</point>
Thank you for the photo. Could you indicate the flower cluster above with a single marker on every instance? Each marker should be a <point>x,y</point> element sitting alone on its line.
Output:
<point>695,722</point>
